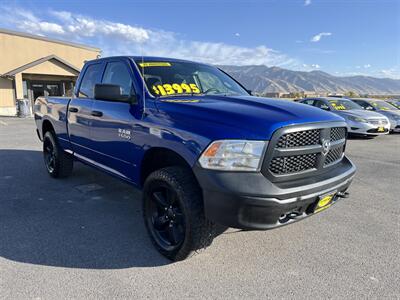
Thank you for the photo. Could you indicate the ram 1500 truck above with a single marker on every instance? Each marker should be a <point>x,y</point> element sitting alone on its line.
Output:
<point>203,150</point>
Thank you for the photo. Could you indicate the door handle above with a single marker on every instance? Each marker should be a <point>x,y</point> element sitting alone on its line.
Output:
<point>97,113</point>
<point>73,109</point>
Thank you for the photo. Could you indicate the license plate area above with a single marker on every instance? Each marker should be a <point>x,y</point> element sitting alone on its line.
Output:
<point>381,129</point>
<point>324,201</point>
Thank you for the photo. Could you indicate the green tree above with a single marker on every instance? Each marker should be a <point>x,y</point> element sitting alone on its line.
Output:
<point>351,94</point>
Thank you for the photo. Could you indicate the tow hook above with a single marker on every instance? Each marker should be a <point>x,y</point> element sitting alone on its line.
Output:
<point>343,194</point>
<point>293,215</point>
<point>289,216</point>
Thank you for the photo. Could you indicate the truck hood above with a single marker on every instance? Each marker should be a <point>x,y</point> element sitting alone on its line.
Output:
<point>247,117</point>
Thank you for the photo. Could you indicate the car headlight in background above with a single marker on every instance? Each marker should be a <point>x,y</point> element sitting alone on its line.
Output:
<point>233,155</point>
<point>358,119</point>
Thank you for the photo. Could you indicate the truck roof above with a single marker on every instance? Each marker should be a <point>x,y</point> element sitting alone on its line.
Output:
<point>147,59</point>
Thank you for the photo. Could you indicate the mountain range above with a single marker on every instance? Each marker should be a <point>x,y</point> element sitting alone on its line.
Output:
<point>262,79</point>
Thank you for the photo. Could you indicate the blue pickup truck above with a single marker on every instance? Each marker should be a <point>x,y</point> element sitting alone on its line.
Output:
<point>205,152</point>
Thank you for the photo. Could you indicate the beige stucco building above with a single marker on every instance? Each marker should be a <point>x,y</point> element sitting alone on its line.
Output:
<point>33,66</point>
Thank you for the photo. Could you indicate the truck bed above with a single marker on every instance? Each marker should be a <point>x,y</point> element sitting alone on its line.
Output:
<point>55,110</point>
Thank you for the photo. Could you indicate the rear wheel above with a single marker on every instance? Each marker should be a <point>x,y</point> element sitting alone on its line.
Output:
<point>174,213</point>
<point>58,163</point>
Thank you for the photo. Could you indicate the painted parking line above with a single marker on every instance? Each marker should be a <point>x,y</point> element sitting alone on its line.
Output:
<point>3,123</point>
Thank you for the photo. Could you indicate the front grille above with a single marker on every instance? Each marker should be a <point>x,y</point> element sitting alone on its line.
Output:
<point>333,156</point>
<point>337,133</point>
<point>293,164</point>
<point>293,152</point>
<point>299,138</point>
<point>378,121</point>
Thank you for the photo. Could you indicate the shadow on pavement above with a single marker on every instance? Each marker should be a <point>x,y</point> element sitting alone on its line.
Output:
<point>89,220</point>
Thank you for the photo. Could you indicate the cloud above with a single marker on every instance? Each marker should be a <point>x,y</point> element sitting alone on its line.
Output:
<point>311,67</point>
<point>307,2</point>
<point>390,73</point>
<point>237,34</point>
<point>317,37</point>
<point>116,38</point>
<point>366,66</point>
<point>393,73</point>
<point>43,27</point>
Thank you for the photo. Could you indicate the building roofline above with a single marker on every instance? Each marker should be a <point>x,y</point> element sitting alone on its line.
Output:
<point>41,38</point>
<point>38,62</point>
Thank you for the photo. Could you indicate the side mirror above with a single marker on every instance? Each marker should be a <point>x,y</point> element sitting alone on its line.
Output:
<point>369,108</point>
<point>112,92</point>
<point>250,92</point>
<point>325,108</point>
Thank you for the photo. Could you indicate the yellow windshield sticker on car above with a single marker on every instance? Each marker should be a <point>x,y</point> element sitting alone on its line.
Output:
<point>175,88</point>
<point>338,107</point>
<point>155,64</point>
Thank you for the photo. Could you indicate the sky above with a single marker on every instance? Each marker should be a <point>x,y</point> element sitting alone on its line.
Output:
<point>341,37</point>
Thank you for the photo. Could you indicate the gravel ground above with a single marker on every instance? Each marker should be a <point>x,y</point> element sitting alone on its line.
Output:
<point>83,237</point>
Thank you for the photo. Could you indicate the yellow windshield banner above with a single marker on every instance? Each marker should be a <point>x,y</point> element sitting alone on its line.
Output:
<point>338,107</point>
<point>175,88</point>
<point>155,64</point>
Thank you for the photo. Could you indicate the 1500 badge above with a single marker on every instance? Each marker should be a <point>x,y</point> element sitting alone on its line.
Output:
<point>124,133</point>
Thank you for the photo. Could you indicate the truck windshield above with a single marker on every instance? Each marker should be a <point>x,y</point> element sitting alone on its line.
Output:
<point>170,78</point>
<point>342,104</point>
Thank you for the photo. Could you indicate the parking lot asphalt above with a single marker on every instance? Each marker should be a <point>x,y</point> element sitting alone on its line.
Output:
<point>84,237</point>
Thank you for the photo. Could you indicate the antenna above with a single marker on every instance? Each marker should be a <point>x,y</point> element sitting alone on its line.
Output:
<point>143,81</point>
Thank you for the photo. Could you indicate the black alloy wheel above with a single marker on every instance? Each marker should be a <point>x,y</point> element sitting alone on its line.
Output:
<point>49,155</point>
<point>59,164</point>
<point>173,212</point>
<point>165,217</point>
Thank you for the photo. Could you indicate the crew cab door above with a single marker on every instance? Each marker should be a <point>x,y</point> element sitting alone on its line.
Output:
<point>80,109</point>
<point>112,136</point>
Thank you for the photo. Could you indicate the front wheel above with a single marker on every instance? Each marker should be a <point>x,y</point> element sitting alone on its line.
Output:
<point>174,213</point>
<point>58,163</point>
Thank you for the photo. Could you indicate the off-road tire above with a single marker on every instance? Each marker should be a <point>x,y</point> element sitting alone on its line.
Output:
<point>199,231</point>
<point>63,162</point>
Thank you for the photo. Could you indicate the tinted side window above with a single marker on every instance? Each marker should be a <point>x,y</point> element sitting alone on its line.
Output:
<point>117,73</point>
<point>308,102</point>
<point>321,104</point>
<point>364,105</point>
<point>91,77</point>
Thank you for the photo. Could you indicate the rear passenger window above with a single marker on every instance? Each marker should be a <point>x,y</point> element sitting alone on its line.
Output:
<point>92,76</point>
<point>117,73</point>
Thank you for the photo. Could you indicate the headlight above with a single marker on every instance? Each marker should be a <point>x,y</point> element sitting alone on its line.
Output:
<point>233,155</point>
<point>358,119</point>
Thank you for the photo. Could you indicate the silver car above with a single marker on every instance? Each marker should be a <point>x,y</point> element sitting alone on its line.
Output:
<point>394,102</point>
<point>380,106</point>
<point>359,121</point>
